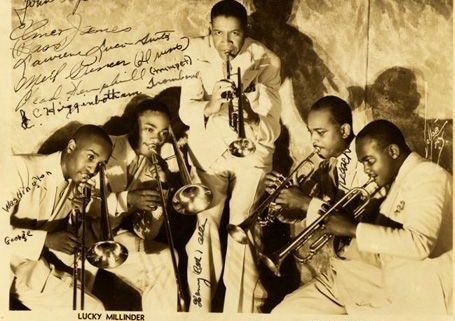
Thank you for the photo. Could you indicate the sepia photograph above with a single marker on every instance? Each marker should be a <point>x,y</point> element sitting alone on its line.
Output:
<point>226,160</point>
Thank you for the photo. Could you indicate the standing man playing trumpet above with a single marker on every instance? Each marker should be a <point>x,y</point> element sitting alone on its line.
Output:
<point>402,262</point>
<point>205,103</point>
<point>135,206</point>
<point>48,186</point>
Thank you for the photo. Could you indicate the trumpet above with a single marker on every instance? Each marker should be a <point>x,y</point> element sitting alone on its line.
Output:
<point>191,198</point>
<point>106,253</point>
<point>239,232</point>
<point>274,261</point>
<point>242,146</point>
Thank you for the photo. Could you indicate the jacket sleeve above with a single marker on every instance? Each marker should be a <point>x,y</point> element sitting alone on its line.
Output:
<point>268,102</point>
<point>423,200</point>
<point>193,97</point>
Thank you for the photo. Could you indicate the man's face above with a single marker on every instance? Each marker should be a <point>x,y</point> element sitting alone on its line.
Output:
<point>326,134</point>
<point>84,156</point>
<point>153,131</point>
<point>377,162</point>
<point>228,35</point>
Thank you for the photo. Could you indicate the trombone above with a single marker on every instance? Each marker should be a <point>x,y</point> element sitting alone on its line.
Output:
<point>191,198</point>
<point>274,261</point>
<point>107,253</point>
<point>242,146</point>
<point>79,222</point>
<point>239,232</point>
<point>181,303</point>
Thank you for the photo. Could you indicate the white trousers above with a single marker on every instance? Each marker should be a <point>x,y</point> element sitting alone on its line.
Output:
<point>236,178</point>
<point>150,273</point>
<point>57,294</point>
<point>420,287</point>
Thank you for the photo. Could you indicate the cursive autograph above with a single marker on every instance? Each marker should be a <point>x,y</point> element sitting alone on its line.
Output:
<point>197,267</point>
<point>18,237</point>
<point>343,168</point>
<point>24,190</point>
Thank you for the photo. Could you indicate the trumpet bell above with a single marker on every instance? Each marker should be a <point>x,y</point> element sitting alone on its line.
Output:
<point>192,199</point>
<point>242,147</point>
<point>238,233</point>
<point>107,254</point>
<point>273,263</point>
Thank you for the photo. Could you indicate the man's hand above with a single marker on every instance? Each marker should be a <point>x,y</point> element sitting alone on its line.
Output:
<point>147,200</point>
<point>78,197</point>
<point>272,181</point>
<point>62,241</point>
<point>220,94</point>
<point>340,225</point>
<point>249,115</point>
<point>293,198</point>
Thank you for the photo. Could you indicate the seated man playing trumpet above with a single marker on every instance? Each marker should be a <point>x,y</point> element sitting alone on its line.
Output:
<point>135,205</point>
<point>330,125</point>
<point>401,263</point>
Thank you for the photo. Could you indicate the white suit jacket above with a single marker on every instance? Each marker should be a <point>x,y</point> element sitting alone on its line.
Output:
<point>32,185</point>
<point>260,72</point>
<point>414,260</point>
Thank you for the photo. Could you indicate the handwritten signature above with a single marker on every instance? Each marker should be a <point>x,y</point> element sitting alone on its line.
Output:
<point>24,190</point>
<point>21,236</point>
<point>345,161</point>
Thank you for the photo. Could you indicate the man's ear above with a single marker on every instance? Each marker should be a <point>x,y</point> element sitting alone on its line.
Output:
<point>345,130</point>
<point>71,146</point>
<point>394,151</point>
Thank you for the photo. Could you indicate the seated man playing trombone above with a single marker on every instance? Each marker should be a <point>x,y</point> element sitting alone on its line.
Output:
<point>136,207</point>
<point>45,191</point>
<point>401,263</point>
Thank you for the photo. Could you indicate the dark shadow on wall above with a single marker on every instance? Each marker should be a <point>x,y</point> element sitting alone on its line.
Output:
<point>299,62</point>
<point>394,96</point>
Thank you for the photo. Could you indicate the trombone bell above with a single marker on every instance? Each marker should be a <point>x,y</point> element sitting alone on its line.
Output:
<point>191,199</point>
<point>107,254</point>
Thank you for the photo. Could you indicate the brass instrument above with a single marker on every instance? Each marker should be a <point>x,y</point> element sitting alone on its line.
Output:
<point>239,232</point>
<point>274,261</point>
<point>242,146</point>
<point>106,253</point>
<point>79,221</point>
<point>191,198</point>
<point>181,303</point>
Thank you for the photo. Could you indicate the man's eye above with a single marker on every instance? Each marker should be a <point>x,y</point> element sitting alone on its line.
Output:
<point>90,157</point>
<point>217,33</point>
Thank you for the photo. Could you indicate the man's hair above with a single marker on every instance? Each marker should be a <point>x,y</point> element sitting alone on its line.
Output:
<point>337,107</point>
<point>384,133</point>
<point>230,8</point>
<point>150,104</point>
<point>86,132</point>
